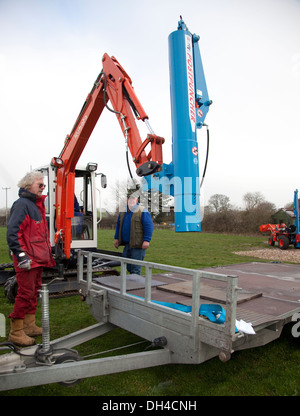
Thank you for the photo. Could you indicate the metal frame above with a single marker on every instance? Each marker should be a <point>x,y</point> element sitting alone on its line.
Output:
<point>191,338</point>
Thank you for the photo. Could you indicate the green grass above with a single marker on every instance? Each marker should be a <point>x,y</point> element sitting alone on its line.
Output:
<point>193,250</point>
<point>272,370</point>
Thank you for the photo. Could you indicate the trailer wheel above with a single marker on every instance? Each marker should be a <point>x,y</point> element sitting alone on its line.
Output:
<point>283,242</point>
<point>69,357</point>
<point>11,288</point>
<point>224,356</point>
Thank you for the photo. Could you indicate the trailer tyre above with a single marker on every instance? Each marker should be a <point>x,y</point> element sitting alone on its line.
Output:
<point>69,357</point>
<point>283,242</point>
<point>11,288</point>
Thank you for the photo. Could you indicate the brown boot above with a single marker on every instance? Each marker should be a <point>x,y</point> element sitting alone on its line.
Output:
<point>30,327</point>
<point>17,334</point>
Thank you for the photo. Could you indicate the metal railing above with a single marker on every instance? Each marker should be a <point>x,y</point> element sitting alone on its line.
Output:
<point>218,335</point>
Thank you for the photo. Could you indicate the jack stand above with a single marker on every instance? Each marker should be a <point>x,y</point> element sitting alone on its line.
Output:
<point>44,352</point>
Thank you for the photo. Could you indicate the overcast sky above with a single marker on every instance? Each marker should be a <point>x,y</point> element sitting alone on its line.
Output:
<point>50,55</point>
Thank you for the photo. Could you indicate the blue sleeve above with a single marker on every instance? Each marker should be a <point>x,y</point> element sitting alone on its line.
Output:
<point>147,225</point>
<point>17,216</point>
<point>76,204</point>
<point>117,229</point>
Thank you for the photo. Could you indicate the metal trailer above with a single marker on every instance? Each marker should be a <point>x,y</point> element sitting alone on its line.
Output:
<point>179,336</point>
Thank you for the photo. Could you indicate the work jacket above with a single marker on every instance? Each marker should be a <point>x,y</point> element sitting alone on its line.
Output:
<point>134,227</point>
<point>27,231</point>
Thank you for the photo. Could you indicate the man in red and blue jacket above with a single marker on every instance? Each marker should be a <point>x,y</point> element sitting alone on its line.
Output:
<point>28,240</point>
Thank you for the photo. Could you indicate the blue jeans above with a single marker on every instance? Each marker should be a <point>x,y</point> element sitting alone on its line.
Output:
<point>136,254</point>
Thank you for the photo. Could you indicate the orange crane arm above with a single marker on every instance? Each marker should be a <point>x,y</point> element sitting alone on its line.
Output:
<point>112,84</point>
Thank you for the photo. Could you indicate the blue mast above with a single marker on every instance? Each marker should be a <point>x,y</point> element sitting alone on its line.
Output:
<point>189,106</point>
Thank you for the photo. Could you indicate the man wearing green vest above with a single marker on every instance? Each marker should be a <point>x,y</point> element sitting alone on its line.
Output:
<point>134,230</point>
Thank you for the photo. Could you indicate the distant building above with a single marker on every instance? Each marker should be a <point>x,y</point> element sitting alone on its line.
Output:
<point>286,216</point>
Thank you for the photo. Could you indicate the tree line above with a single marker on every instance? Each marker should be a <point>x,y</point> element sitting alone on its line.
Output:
<point>222,217</point>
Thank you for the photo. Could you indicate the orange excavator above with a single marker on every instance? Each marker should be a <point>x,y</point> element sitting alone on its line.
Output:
<point>113,85</point>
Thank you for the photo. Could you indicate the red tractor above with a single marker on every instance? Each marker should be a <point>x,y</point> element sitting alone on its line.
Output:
<point>283,234</point>
<point>279,233</point>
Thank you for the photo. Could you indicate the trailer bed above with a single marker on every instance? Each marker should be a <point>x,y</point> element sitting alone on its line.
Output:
<point>268,292</point>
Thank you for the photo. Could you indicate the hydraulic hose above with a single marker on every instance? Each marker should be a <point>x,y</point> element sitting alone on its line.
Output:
<point>206,159</point>
<point>127,160</point>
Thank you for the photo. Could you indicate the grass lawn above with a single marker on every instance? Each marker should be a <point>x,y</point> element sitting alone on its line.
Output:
<point>272,370</point>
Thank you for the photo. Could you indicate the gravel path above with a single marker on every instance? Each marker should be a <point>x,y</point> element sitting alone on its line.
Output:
<point>292,255</point>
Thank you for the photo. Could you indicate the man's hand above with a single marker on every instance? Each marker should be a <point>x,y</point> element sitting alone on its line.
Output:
<point>25,264</point>
<point>24,261</point>
<point>145,245</point>
<point>116,243</point>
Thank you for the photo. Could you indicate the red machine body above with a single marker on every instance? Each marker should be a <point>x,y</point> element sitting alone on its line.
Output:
<point>113,84</point>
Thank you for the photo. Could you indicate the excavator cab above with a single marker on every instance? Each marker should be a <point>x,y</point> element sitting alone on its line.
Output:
<point>86,205</point>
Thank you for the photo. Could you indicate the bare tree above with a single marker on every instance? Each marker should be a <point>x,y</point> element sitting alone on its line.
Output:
<point>258,211</point>
<point>219,203</point>
<point>253,199</point>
